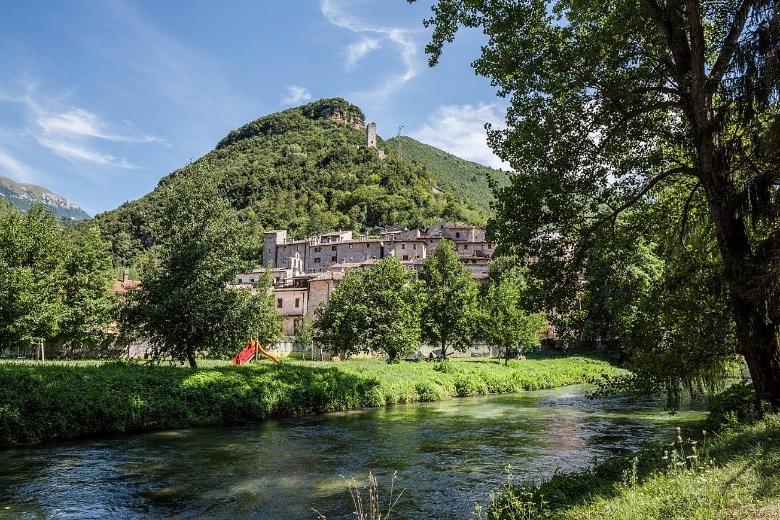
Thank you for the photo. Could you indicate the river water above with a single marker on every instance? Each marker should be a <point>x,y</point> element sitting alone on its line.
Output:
<point>447,455</point>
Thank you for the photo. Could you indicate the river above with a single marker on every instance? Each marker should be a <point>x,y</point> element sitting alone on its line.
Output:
<point>447,455</point>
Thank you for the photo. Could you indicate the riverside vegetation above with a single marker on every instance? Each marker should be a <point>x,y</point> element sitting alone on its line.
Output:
<point>67,400</point>
<point>732,474</point>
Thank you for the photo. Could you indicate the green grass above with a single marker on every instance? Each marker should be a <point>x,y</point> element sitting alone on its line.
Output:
<point>736,475</point>
<point>67,400</point>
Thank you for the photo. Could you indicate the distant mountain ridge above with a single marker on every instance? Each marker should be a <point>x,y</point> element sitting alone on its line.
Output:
<point>467,181</point>
<point>22,196</point>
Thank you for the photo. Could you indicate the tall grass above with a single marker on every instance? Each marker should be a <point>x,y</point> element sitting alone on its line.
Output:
<point>41,402</point>
<point>733,475</point>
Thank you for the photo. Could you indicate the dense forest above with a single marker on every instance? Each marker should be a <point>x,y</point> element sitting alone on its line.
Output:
<point>469,182</point>
<point>305,169</point>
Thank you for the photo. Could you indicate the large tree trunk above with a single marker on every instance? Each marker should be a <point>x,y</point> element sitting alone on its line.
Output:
<point>753,303</point>
<point>444,349</point>
<point>191,359</point>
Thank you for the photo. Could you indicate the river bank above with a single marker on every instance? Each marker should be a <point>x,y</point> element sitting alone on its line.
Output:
<point>734,474</point>
<point>446,456</point>
<point>57,401</point>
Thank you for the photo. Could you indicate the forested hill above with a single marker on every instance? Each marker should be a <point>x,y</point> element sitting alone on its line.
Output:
<point>466,180</point>
<point>23,196</point>
<point>305,169</point>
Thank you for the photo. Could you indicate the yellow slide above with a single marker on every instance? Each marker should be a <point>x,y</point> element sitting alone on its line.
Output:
<point>263,352</point>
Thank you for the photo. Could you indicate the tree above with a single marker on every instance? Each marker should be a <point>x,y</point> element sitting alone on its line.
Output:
<point>450,313</point>
<point>610,100</point>
<point>304,337</point>
<point>184,306</point>
<point>32,253</point>
<point>89,304</point>
<point>375,309</point>
<point>507,325</point>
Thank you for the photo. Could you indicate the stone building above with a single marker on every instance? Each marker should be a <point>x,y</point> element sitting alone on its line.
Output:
<point>305,272</point>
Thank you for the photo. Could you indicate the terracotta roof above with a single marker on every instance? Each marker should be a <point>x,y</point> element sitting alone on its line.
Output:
<point>123,286</point>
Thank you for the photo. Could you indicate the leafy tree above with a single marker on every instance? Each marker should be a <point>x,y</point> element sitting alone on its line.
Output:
<point>89,304</point>
<point>610,100</point>
<point>184,305</point>
<point>450,313</point>
<point>304,336</point>
<point>32,253</point>
<point>506,324</point>
<point>375,309</point>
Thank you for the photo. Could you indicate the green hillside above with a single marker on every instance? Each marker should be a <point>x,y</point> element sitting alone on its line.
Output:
<point>305,169</point>
<point>23,196</point>
<point>466,180</point>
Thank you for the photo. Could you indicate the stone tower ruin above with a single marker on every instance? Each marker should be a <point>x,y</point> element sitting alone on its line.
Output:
<point>371,135</point>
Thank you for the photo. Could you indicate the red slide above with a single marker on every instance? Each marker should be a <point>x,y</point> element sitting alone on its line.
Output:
<point>246,354</point>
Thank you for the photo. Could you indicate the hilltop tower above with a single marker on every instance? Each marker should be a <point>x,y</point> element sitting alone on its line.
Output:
<point>371,135</point>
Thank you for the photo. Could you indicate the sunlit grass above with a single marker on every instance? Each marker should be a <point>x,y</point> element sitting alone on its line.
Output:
<point>61,400</point>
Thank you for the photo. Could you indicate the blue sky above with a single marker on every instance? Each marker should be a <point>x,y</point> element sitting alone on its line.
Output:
<point>99,100</point>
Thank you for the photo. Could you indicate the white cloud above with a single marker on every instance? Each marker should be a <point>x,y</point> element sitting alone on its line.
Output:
<point>460,130</point>
<point>75,133</point>
<point>14,168</point>
<point>296,94</point>
<point>80,154</point>
<point>359,49</point>
<point>80,122</point>
<point>399,36</point>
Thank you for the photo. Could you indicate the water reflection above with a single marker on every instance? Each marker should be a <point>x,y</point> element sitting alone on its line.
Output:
<point>447,455</point>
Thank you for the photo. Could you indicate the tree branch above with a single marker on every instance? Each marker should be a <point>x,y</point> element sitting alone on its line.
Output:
<point>686,211</point>
<point>729,45</point>
<point>641,193</point>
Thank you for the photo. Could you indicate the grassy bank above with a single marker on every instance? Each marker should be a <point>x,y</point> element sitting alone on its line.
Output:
<point>57,401</point>
<point>734,475</point>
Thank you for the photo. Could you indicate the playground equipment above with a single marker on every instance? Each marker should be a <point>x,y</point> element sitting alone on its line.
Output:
<point>251,351</point>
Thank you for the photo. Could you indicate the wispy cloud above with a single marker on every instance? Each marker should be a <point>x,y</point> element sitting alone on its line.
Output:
<point>296,94</point>
<point>81,122</point>
<point>15,169</point>
<point>400,37</point>
<point>460,130</point>
<point>359,49</point>
<point>75,133</point>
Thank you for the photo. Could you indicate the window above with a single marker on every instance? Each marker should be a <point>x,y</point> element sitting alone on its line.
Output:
<point>333,248</point>
<point>297,302</point>
<point>414,246</point>
<point>317,260</point>
<point>403,246</point>
<point>252,280</point>
<point>317,249</point>
<point>332,258</point>
<point>405,258</point>
<point>368,245</point>
<point>278,303</point>
<point>457,235</point>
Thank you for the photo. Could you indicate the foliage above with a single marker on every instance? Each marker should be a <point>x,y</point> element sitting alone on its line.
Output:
<point>450,315</point>
<point>376,309</point>
<point>469,182</point>
<point>300,171</point>
<point>735,474</point>
<point>611,101</point>
<point>184,306</point>
<point>89,303</point>
<point>32,250</point>
<point>507,325</point>
<point>304,336</point>
<point>67,400</point>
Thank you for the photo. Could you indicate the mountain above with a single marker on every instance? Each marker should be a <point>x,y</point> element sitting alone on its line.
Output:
<point>468,181</point>
<point>306,169</point>
<point>25,195</point>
